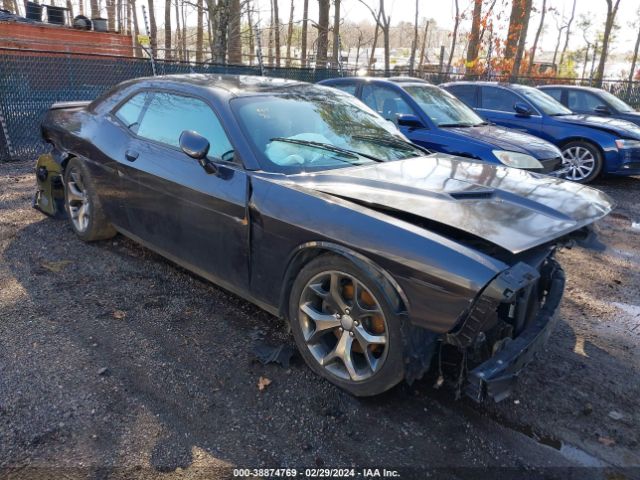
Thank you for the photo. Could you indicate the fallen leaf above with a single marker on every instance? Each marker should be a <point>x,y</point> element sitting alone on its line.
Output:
<point>606,441</point>
<point>119,314</point>
<point>439,382</point>
<point>263,382</point>
<point>56,267</point>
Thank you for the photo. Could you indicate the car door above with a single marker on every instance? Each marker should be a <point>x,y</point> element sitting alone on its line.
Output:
<point>497,105</point>
<point>191,216</point>
<point>387,102</point>
<point>580,101</point>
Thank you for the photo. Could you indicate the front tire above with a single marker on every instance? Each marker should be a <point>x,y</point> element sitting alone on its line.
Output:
<point>584,161</point>
<point>345,327</point>
<point>83,205</point>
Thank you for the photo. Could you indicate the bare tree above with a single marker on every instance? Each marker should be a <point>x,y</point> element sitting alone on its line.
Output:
<point>634,59</point>
<point>559,39</point>
<point>585,24</point>
<point>305,26</point>
<point>199,30</point>
<point>276,33</point>
<point>289,35</point>
<point>534,47</point>
<point>455,35</point>
<point>526,15</point>
<point>235,33</point>
<point>136,29</point>
<point>568,32</point>
<point>222,26</point>
<point>323,33</point>
<point>384,22</point>
<point>374,45</point>
<point>177,41</point>
<point>612,10</point>
<point>167,29</point>
<point>336,33</point>
<point>251,33</point>
<point>153,28</point>
<point>111,14</point>
<point>414,43</point>
<point>473,49</point>
<point>95,9</point>
<point>424,46</point>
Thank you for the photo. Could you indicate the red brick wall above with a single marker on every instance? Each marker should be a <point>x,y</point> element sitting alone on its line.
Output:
<point>25,36</point>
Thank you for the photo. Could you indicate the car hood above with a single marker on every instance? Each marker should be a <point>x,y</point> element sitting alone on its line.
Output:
<point>505,139</point>
<point>616,126</point>
<point>630,117</point>
<point>511,208</point>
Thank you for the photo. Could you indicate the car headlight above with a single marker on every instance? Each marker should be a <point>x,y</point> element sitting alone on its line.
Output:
<point>516,160</point>
<point>624,143</point>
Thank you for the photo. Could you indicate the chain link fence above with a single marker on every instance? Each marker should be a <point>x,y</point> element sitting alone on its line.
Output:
<point>32,80</point>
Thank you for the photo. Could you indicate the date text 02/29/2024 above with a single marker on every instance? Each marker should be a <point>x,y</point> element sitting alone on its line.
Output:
<point>315,473</point>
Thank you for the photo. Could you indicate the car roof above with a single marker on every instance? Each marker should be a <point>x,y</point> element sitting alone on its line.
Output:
<point>391,80</point>
<point>236,85</point>
<point>481,83</point>
<point>572,87</point>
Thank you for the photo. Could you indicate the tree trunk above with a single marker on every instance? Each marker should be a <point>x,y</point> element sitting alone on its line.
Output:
<point>251,33</point>
<point>95,9</point>
<point>515,71</point>
<point>414,44</point>
<point>177,41</point>
<point>423,50</point>
<point>634,59</point>
<point>212,25</point>
<point>167,29</point>
<point>555,52</point>
<point>199,31</point>
<point>305,26</point>
<point>276,37</point>
<point>289,36</point>
<point>69,6</point>
<point>153,28</point>
<point>235,33</point>
<point>185,51</point>
<point>336,34</point>
<point>136,28</point>
<point>323,33</point>
<point>455,36</point>
<point>111,15</point>
<point>222,24</point>
<point>473,49</point>
<point>568,33</point>
<point>612,10</point>
<point>372,56</point>
<point>515,28</point>
<point>537,37</point>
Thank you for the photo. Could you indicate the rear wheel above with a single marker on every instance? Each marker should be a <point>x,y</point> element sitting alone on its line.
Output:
<point>584,161</point>
<point>83,205</point>
<point>345,328</point>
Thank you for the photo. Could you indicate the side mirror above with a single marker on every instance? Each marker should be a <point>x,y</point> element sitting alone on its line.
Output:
<point>602,110</point>
<point>196,146</point>
<point>522,109</point>
<point>409,120</point>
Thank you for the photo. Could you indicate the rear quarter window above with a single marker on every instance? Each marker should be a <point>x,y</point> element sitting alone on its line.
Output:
<point>465,93</point>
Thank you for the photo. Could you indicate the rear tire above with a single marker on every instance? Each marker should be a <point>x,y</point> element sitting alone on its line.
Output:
<point>345,327</point>
<point>584,161</point>
<point>82,204</point>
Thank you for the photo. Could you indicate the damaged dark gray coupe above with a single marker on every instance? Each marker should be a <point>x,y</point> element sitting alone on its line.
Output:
<point>384,259</point>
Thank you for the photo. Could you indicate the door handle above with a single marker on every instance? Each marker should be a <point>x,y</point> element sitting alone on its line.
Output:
<point>131,155</point>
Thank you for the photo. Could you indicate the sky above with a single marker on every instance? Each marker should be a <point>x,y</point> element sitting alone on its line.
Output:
<point>443,12</point>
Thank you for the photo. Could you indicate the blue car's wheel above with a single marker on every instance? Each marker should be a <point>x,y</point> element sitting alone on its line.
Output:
<point>584,161</point>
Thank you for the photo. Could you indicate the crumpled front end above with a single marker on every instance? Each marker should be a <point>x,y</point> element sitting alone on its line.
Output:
<point>508,324</point>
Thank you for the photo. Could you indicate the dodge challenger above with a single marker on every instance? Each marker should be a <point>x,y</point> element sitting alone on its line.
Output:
<point>386,260</point>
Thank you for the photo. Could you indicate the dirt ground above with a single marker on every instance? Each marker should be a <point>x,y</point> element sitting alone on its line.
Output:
<point>115,363</point>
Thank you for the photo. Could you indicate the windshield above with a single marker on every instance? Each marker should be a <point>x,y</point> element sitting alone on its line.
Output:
<point>443,108</point>
<point>317,129</point>
<point>542,101</point>
<point>615,102</point>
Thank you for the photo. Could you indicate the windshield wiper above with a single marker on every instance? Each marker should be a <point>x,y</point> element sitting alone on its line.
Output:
<point>391,142</point>
<point>326,146</point>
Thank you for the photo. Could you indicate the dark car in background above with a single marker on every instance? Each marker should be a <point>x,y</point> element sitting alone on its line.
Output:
<point>302,200</point>
<point>431,117</point>
<point>592,101</point>
<point>590,145</point>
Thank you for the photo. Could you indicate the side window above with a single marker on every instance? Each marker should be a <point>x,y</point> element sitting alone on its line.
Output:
<point>556,93</point>
<point>466,93</point>
<point>346,87</point>
<point>499,99</point>
<point>582,101</point>
<point>168,115</point>
<point>130,111</point>
<point>385,101</point>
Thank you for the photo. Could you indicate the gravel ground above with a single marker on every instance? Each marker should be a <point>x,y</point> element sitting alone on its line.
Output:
<point>115,363</point>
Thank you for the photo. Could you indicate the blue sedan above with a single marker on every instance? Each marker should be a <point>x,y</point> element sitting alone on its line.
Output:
<point>590,145</point>
<point>592,101</point>
<point>435,119</point>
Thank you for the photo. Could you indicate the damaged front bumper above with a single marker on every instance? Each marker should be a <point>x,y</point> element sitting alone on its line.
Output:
<point>496,377</point>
